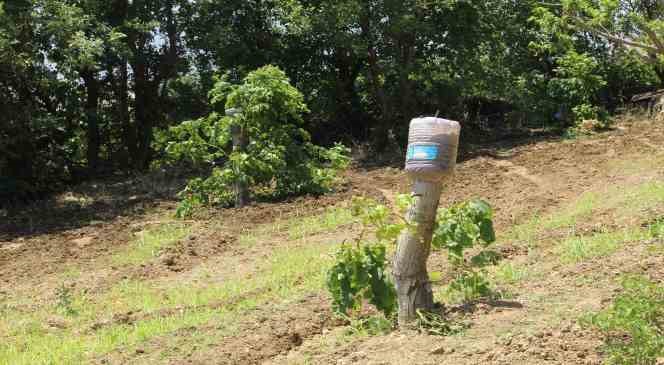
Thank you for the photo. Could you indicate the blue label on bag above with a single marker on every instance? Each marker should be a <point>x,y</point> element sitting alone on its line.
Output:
<point>422,152</point>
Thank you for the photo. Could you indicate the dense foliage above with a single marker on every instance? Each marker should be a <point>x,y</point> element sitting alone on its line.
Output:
<point>86,85</point>
<point>360,271</point>
<point>278,159</point>
<point>464,227</point>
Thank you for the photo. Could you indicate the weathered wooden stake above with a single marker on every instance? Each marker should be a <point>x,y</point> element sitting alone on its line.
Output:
<point>413,248</point>
<point>431,158</point>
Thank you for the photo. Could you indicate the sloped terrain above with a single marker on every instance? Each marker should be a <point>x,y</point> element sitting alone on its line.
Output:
<point>106,275</point>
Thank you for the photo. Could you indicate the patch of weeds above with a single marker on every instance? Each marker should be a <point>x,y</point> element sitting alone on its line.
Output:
<point>467,287</point>
<point>590,279</point>
<point>249,239</point>
<point>35,345</point>
<point>71,273</point>
<point>627,201</point>
<point>642,197</point>
<point>509,273</point>
<point>150,242</point>
<point>300,228</point>
<point>525,232</point>
<point>580,248</point>
<point>637,166</point>
<point>583,207</point>
<point>64,300</point>
<point>252,236</point>
<point>155,310</point>
<point>436,324</point>
<point>287,273</point>
<point>633,325</point>
<point>656,228</point>
<point>375,325</point>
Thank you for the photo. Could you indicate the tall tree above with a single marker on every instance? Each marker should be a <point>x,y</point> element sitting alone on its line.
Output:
<point>154,42</point>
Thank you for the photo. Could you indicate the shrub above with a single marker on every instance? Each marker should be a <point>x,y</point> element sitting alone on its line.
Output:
<point>279,158</point>
<point>360,270</point>
<point>460,228</point>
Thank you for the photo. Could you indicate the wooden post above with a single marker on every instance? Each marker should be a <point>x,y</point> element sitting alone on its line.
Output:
<point>240,143</point>
<point>430,160</point>
<point>413,248</point>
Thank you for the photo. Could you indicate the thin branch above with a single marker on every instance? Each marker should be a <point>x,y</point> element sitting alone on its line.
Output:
<point>653,37</point>
<point>621,41</point>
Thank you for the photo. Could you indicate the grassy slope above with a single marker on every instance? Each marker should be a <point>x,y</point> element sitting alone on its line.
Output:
<point>563,257</point>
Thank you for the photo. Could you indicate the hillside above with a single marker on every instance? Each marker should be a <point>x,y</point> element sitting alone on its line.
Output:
<point>104,274</point>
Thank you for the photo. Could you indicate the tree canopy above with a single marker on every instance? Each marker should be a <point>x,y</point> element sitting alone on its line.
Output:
<point>86,85</point>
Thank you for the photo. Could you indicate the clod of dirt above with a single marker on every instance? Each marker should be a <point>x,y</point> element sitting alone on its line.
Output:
<point>296,339</point>
<point>83,241</point>
<point>124,318</point>
<point>439,351</point>
<point>169,261</point>
<point>98,325</point>
<point>57,322</point>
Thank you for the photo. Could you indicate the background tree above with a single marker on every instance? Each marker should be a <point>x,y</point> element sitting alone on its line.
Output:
<point>87,84</point>
<point>275,156</point>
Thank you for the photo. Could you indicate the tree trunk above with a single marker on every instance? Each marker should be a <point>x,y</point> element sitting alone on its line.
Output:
<point>148,100</point>
<point>128,130</point>
<point>381,133</point>
<point>142,117</point>
<point>413,248</point>
<point>91,103</point>
<point>240,143</point>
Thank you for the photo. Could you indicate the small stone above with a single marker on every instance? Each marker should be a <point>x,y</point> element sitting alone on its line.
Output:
<point>169,261</point>
<point>438,351</point>
<point>82,242</point>
<point>140,350</point>
<point>57,322</point>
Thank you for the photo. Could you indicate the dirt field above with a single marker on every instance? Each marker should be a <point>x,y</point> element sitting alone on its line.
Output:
<point>104,274</point>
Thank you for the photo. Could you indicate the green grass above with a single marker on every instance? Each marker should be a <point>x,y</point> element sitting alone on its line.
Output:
<point>624,202</point>
<point>639,165</point>
<point>285,275</point>
<point>301,228</point>
<point>149,243</point>
<point>298,228</point>
<point>580,248</point>
<point>368,326</point>
<point>510,273</point>
<point>567,217</point>
<point>632,325</point>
